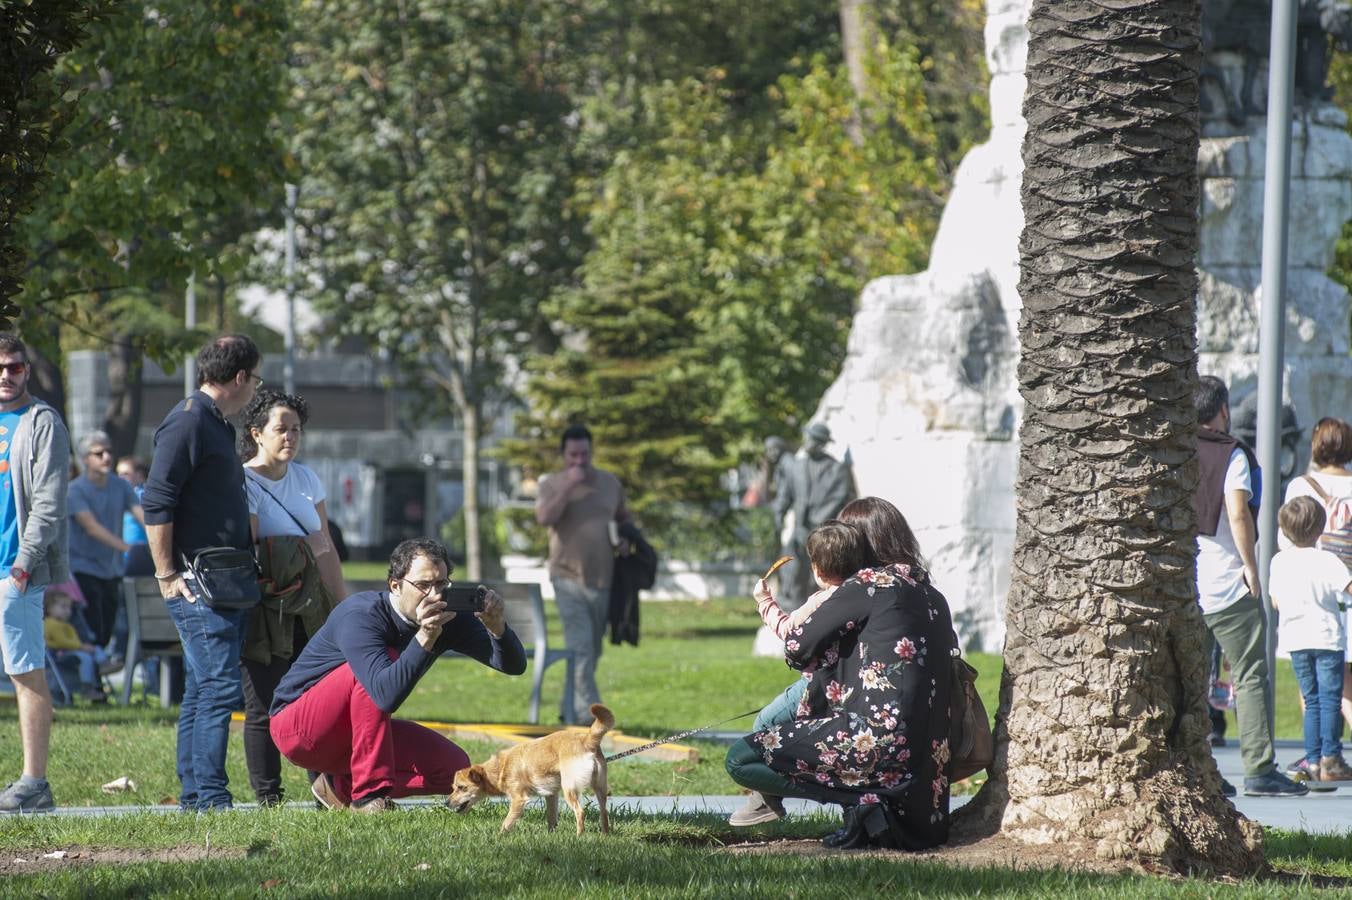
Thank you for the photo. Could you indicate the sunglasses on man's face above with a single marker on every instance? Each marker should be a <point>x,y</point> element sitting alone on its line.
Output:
<point>14,368</point>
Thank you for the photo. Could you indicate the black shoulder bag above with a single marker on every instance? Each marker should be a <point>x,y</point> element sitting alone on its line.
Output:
<point>224,577</point>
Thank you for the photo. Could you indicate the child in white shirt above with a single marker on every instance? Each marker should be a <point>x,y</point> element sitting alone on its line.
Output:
<point>1310,588</point>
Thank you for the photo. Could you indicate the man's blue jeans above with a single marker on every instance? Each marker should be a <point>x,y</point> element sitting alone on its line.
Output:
<point>1320,675</point>
<point>211,692</point>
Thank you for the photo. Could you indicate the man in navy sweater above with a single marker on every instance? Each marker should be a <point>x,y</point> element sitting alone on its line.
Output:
<point>333,711</point>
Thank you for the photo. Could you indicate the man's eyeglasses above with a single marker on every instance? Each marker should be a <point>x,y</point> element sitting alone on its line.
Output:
<point>427,587</point>
<point>14,368</point>
<point>257,379</point>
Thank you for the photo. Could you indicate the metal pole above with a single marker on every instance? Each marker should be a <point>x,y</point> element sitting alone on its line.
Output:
<point>1276,201</point>
<point>289,366</point>
<point>190,321</point>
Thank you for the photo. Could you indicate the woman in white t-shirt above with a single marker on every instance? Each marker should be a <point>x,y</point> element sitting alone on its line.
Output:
<point>1330,454</point>
<point>301,571</point>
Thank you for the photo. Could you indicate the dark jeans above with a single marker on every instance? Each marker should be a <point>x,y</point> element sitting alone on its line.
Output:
<point>260,681</point>
<point>102,598</point>
<point>211,642</point>
<point>747,767</point>
<point>1320,675</point>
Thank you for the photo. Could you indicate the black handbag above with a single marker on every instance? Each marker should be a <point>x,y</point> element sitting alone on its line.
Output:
<point>224,578</point>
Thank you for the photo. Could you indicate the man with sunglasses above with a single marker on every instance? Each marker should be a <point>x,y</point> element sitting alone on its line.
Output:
<point>34,460</point>
<point>95,503</point>
<point>194,499</point>
<point>333,711</point>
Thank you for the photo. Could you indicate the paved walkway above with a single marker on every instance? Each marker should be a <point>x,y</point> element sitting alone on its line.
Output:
<point>1331,812</point>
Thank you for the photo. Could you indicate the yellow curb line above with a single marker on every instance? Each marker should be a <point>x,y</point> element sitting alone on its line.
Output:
<point>507,733</point>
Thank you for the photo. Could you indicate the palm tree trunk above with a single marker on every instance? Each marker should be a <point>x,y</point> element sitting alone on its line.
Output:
<point>1102,724</point>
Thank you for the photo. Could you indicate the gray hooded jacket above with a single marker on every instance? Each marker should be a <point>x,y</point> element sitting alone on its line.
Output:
<point>39,457</point>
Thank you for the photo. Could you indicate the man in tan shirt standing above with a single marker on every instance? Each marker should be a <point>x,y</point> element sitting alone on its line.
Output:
<point>579,505</point>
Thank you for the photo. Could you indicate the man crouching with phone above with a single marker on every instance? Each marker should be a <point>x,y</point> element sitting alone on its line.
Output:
<point>332,712</point>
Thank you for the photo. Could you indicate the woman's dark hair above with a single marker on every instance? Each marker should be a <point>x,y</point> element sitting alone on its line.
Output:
<point>885,527</point>
<point>1331,442</point>
<point>256,415</point>
<point>225,357</point>
<point>401,560</point>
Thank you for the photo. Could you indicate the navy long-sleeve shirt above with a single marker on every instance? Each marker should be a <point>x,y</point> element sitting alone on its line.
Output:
<point>363,629</point>
<point>196,481</point>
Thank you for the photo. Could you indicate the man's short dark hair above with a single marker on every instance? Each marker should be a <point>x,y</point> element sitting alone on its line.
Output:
<point>401,560</point>
<point>225,357</point>
<point>1302,521</point>
<point>1212,396</point>
<point>575,433</point>
<point>838,549</point>
<point>10,343</point>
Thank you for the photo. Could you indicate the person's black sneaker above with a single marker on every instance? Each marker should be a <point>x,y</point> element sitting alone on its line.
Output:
<point>1227,789</point>
<point>1274,784</point>
<point>1217,740</point>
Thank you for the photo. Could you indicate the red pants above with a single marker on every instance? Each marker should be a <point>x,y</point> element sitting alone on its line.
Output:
<point>335,728</point>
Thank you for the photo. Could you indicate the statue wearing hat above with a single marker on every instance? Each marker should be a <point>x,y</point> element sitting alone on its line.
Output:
<point>813,486</point>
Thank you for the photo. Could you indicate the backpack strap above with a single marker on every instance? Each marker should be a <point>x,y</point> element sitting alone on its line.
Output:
<point>1314,485</point>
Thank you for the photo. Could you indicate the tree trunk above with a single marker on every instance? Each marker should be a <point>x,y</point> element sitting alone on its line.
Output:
<point>1102,724</point>
<point>47,384</point>
<point>122,420</point>
<point>470,477</point>
<point>856,36</point>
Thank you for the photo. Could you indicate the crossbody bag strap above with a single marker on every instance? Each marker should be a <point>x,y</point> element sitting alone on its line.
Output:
<point>257,481</point>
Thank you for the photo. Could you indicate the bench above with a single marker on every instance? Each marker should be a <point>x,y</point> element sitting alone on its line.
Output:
<point>525,614</point>
<point>150,632</point>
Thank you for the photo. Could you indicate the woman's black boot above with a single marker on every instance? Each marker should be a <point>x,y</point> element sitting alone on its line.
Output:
<point>848,836</point>
<point>865,826</point>
<point>834,838</point>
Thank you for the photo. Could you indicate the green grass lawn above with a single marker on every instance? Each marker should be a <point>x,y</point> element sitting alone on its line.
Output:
<point>432,852</point>
<point>693,667</point>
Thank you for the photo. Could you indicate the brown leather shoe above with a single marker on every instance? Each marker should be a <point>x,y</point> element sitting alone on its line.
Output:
<point>1334,768</point>
<point>323,790</point>
<point>373,805</point>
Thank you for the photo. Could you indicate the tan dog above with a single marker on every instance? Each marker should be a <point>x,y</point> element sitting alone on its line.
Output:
<point>563,761</point>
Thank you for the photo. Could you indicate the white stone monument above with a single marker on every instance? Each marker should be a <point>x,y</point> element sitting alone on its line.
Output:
<point>927,401</point>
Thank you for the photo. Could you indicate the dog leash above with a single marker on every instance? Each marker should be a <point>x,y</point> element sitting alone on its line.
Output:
<point>676,737</point>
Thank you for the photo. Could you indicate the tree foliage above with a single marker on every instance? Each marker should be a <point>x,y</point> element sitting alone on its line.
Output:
<point>35,106</point>
<point>174,149</point>
<point>438,144</point>
<point>715,302</point>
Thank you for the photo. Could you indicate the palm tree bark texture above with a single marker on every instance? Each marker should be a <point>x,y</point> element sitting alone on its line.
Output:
<point>1102,723</point>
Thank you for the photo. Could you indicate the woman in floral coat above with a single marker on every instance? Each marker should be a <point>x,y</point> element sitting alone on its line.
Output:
<point>871,732</point>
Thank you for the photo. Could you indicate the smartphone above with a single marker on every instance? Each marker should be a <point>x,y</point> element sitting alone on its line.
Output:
<point>464,597</point>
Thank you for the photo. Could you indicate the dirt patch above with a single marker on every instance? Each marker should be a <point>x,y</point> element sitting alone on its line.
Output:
<point>1002,852</point>
<point>16,862</point>
<point>992,851</point>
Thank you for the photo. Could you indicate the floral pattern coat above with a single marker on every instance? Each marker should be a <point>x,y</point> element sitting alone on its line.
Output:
<point>873,723</point>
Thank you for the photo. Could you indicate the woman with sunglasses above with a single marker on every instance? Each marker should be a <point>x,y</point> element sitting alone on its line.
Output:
<point>301,577</point>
